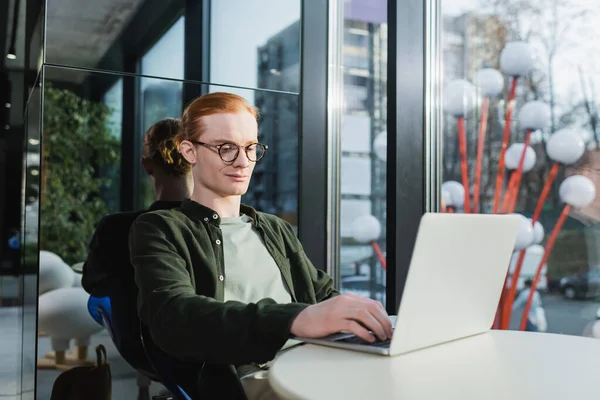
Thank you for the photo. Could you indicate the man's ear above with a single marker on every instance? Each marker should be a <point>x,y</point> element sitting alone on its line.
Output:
<point>147,165</point>
<point>188,151</point>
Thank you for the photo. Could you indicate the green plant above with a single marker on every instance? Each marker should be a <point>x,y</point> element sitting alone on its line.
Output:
<point>77,144</point>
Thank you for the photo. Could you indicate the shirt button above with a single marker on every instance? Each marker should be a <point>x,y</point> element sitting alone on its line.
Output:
<point>206,219</point>
<point>221,278</point>
<point>215,216</point>
<point>218,241</point>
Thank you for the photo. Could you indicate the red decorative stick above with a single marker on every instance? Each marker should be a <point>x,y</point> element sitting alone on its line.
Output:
<point>462,147</point>
<point>479,157</point>
<point>505,138</point>
<point>538,272</point>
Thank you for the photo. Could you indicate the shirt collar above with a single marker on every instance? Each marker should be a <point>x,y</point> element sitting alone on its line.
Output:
<point>164,205</point>
<point>199,212</point>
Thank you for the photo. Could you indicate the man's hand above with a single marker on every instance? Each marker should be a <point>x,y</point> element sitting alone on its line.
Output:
<point>347,312</point>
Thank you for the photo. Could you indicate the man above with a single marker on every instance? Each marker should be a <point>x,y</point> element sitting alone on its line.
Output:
<point>536,320</point>
<point>221,284</point>
<point>108,271</point>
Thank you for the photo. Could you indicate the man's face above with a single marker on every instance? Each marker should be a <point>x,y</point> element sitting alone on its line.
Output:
<point>210,171</point>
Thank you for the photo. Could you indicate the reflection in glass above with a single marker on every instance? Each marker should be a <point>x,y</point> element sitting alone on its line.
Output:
<point>363,147</point>
<point>520,119</point>
<point>81,132</point>
<point>113,99</point>
<point>30,246</point>
<point>267,52</point>
<point>160,98</point>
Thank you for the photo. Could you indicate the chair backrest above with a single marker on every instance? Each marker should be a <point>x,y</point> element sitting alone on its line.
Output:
<point>162,363</point>
<point>101,309</point>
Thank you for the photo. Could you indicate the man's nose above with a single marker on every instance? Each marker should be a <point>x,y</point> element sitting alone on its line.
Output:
<point>242,159</point>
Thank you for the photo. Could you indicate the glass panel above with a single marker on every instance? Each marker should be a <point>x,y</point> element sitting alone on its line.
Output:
<point>79,137</point>
<point>265,52</point>
<point>113,99</point>
<point>362,136</point>
<point>516,85</point>
<point>31,211</point>
<point>160,98</point>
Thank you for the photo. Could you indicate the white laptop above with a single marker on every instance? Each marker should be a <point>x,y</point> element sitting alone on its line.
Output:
<point>453,286</point>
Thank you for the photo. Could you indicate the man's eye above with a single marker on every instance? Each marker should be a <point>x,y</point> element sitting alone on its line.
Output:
<point>227,147</point>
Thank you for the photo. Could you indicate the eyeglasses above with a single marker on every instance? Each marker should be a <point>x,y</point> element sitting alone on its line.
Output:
<point>229,152</point>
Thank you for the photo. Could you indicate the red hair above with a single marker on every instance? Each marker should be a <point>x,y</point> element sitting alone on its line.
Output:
<point>191,126</point>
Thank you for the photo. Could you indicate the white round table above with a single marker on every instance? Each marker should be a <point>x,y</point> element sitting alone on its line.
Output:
<point>497,365</point>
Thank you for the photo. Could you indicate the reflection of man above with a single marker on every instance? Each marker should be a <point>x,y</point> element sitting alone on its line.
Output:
<point>223,286</point>
<point>592,329</point>
<point>107,270</point>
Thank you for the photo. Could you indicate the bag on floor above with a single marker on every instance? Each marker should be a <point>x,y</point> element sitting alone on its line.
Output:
<point>85,383</point>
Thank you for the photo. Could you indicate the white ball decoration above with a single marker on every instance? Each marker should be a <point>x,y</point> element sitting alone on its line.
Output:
<point>525,235</point>
<point>380,146</point>
<point>447,198</point>
<point>534,115</point>
<point>513,156</point>
<point>585,134</point>
<point>456,194</point>
<point>490,81</point>
<point>460,97</point>
<point>54,272</point>
<point>516,59</point>
<point>366,229</point>
<point>538,232</point>
<point>565,146</point>
<point>578,191</point>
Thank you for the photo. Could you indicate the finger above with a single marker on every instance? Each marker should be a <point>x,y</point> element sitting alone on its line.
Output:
<point>364,317</point>
<point>377,310</point>
<point>357,329</point>
<point>383,319</point>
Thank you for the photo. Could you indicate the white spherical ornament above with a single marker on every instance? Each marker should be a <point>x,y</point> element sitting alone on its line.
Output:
<point>447,198</point>
<point>366,229</point>
<point>460,97</point>
<point>578,191</point>
<point>516,59</point>
<point>565,146</point>
<point>538,232</point>
<point>534,115</point>
<point>525,235</point>
<point>513,156</point>
<point>534,250</point>
<point>380,146</point>
<point>456,193</point>
<point>585,134</point>
<point>490,81</point>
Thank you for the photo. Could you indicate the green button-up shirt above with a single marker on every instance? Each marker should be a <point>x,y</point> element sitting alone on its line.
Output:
<point>178,258</point>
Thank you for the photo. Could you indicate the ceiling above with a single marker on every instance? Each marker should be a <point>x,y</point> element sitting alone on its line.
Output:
<point>78,33</point>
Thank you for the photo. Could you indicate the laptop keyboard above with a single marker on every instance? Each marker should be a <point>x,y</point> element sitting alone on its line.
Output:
<point>361,341</point>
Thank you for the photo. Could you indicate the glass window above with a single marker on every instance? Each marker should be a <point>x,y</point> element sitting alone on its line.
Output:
<point>530,89</point>
<point>160,98</point>
<point>265,51</point>
<point>266,56</point>
<point>362,168</point>
<point>113,99</point>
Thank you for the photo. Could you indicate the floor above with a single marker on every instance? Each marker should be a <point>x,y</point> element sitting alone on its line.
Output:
<point>17,373</point>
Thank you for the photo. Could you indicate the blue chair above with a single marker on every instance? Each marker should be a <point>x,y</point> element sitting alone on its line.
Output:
<point>101,311</point>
